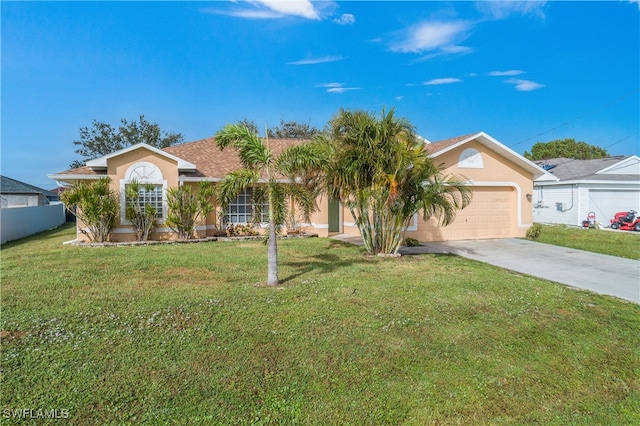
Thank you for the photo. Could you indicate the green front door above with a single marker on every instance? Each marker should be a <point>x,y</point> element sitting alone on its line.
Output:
<point>334,215</point>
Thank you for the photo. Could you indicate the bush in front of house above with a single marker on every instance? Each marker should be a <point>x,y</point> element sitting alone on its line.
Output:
<point>185,208</point>
<point>411,242</point>
<point>142,216</point>
<point>534,231</point>
<point>96,205</point>
<point>241,230</point>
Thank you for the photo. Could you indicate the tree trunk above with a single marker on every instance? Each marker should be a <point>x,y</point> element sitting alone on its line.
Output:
<point>272,251</point>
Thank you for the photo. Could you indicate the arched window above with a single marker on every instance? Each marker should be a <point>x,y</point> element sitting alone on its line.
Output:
<point>151,191</point>
<point>470,158</point>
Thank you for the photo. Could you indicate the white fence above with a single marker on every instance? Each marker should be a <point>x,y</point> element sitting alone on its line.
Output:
<point>20,222</point>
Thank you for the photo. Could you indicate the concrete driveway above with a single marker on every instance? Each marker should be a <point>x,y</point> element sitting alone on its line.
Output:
<point>599,273</point>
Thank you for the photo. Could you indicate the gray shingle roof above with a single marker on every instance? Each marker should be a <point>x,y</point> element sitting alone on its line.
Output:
<point>12,186</point>
<point>570,169</point>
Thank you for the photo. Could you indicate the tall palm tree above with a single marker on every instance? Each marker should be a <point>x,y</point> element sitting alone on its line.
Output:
<point>380,170</point>
<point>275,180</point>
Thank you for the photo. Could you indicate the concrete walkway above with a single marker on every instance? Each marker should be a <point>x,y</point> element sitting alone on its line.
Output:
<point>610,275</point>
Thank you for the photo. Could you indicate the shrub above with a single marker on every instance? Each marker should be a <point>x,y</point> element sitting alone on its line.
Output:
<point>186,208</point>
<point>411,242</point>
<point>241,230</point>
<point>534,231</point>
<point>142,216</point>
<point>96,205</point>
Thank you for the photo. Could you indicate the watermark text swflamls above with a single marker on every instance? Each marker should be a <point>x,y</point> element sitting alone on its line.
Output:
<point>35,413</point>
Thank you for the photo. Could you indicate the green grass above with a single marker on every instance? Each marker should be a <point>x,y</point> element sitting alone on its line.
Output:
<point>615,243</point>
<point>185,334</point>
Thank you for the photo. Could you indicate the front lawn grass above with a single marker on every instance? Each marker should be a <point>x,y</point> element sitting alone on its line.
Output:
<point>187,334</point>
<point>614,243</point>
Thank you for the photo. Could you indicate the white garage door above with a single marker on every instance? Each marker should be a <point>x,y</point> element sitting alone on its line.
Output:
<point>491,214</point>
<point>605,203</point>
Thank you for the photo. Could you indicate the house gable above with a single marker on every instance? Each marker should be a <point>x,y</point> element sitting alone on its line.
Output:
<point>628,166</point>
<point>102,162</point>
<point>485,144</point>
<point>610,169</point>
<point>120,167</point>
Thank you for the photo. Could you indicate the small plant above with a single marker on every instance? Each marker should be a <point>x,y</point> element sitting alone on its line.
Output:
<point>534,231</point>
<point>96,205</point>
<point>141,215</point>
<point>411,242</point>
<point>241,230</point>
<point>186,208</point>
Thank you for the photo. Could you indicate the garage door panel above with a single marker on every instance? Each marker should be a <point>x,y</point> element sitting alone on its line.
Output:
<point>605,203</point>
<point>491,214</point>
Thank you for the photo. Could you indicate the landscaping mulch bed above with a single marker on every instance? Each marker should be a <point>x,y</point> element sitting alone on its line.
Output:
<point>190,241</point>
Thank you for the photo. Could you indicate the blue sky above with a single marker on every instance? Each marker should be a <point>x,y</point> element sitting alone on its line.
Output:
<point>524,72</point>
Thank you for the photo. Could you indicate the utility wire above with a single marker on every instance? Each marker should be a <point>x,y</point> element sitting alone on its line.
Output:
<point>599,108</point>
<point>568,160</point>
<point>621,140</point>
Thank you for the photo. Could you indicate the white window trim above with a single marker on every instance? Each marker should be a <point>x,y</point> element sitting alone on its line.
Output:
<point>261,223</point>
<point>157,180</point>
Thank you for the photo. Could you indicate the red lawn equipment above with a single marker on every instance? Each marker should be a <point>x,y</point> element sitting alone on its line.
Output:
<point>626,221</point>
<point>591,221</point>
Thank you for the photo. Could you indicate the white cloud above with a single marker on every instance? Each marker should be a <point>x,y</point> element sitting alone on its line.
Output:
<point>504,9</point>
<point>302,8</point>
<point>245,13</point>
<point>345,19</point>
<point>320,60</point>
<point>432,36</point>
<point>506,73</point>
<point>336,87</point>
<point>274,9</point>
<point>524,85</point>
<point>635,1</point>
<point>438,81</point>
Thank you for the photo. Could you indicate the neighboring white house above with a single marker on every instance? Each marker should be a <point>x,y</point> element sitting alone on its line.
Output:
<point>14,193</point>
<point>27,209</point>
<point>603,186</point>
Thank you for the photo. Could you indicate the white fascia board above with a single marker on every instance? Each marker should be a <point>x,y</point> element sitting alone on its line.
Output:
<point>101,162</point>
<point>539,174</point>
<point>632,159</point>
<point>212,179</point>
<point>64,178</point>
<point>454,146</point>
<point>198,179</point>
<point>589,182</point>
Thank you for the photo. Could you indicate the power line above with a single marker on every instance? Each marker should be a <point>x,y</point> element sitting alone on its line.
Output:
<point>599,108</point>
<point>621,140</point>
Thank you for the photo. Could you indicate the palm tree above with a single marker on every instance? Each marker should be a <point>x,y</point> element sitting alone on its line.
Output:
<point>380,170</point>
<point>274,180</point>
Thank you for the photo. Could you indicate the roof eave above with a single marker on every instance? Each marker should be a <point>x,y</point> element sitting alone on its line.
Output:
<point>592,182</point>
<point>67,177</point>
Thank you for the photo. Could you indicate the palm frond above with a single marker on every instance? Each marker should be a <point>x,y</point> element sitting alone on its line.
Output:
<point>251,149</point>
<point>234,183</point>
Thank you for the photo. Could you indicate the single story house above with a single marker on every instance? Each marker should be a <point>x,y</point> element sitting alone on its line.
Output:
<point>14,193</point>
<point>502,182</point>
<point>601,186</point>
